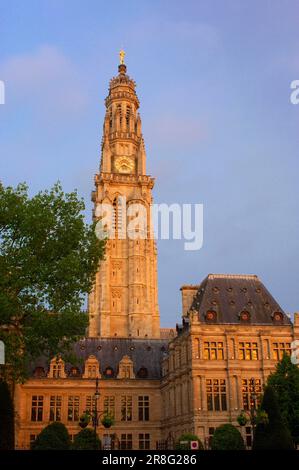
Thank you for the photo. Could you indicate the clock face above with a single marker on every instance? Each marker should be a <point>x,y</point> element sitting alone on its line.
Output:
<point>124,164</point>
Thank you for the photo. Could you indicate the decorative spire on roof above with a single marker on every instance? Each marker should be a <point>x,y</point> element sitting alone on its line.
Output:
<point>122,57</point>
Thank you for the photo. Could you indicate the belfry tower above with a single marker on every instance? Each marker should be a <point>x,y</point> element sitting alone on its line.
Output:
<point>124,301</point>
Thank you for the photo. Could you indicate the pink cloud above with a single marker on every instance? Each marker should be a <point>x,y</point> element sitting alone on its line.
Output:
<point>46,76</point>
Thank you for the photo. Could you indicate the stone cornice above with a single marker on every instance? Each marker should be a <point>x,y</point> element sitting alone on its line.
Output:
<point>143,180</point>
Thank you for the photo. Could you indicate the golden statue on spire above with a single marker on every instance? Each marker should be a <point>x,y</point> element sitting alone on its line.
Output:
<point>122,57</point>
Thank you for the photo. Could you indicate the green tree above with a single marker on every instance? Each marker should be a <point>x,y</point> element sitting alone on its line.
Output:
<point>188,437</point>
<point>48,260</point>
<point>86,440</point>
<point>53,437</point>
<point>227,437</point>
<point>285,382</point>
<point>6,418</point>
<point>271,434</point>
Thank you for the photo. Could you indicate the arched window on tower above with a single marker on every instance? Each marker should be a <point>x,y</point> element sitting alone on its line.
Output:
<point>120,114</point>
<point>110,119</point>
<point>117,219</point>
<point>128,114</point>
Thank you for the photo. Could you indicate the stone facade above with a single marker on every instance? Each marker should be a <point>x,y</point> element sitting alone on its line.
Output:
<point>156,382</point>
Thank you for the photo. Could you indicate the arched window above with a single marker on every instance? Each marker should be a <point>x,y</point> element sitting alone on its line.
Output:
<point>117,219</point>
<point>128,114</point>
<point>120,114</point>
<point>110,119</point>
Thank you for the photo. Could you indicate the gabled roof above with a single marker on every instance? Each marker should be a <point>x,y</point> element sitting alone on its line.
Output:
<point>230,294</point>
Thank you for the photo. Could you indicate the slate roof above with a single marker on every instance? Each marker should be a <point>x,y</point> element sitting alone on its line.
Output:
<point>110,351</point>
<point>230,294</point>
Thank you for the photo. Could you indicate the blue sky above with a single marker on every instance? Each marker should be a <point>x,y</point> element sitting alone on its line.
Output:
<point>213,78</point>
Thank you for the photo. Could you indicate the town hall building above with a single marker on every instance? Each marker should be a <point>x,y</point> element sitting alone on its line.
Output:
<point>157,383</point>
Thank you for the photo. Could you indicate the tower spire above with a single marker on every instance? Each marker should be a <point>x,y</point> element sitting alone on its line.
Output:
<point>124,301</point>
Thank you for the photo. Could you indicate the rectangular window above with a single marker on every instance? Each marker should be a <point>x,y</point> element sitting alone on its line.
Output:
<point>37,405</point>
<point>32,438</point>
<point>279,349</point>
<point>89,403</point>
<point>144,442</point>
<point>251,388</point>
<point>213,350</point>
<point>216,394</point>
<point>126,442</point>
<point>109,405</point>
<point>57,371</point>
<point>248,351</point>
<point>126,408</point>
<point>55,407</point>
<point>143,408</point>
<point>73,408</point>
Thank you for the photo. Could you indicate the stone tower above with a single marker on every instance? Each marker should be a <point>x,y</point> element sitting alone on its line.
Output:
<point>124,301</point>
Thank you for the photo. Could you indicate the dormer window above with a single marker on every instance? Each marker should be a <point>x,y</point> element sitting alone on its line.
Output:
<point>142,373</point>
<point>277,317</point>
<point>57,369</point>
<point>74,372</point>
<point>39,372</point>
<point>244,316</point>
<point>126,368</point>
<point>109,373</point>
<point>92,368</point>
<point>211,316</point>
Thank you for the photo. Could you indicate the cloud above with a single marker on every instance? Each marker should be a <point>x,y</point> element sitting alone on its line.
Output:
<point>186,130</point>
<point>47,78</point>
<point>155,29</point>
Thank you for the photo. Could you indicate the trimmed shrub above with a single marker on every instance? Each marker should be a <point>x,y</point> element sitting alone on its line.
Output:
<point>85,440</point>
<point>53,437</point>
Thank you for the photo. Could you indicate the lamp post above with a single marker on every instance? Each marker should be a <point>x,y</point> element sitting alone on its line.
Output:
<point>253,410</point>
<point>95,413</point>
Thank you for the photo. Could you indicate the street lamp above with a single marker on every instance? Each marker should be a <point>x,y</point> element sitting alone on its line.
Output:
<point>95,413</point>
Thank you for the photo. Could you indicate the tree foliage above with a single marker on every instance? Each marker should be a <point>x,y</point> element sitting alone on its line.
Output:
<point>6,418</point>
<point>285,382</point>
<point>53,437</point>
<point>227,437</point>
<point>86,440</point>
<point>272,434</point>
<point>48,260</point>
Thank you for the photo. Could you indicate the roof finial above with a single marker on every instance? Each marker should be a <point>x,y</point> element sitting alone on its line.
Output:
<point>122,57</point>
